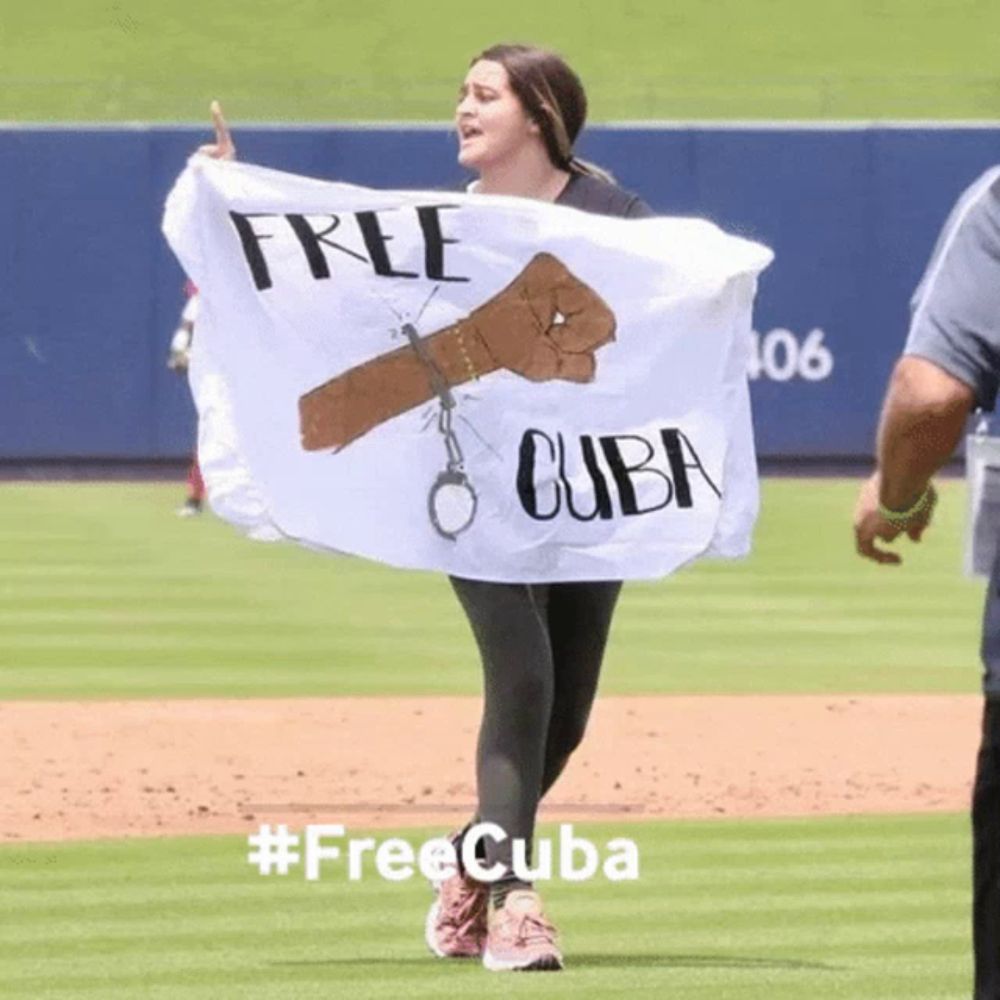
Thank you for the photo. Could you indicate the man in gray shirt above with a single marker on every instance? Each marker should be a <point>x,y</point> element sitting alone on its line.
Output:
<point>950,365</point>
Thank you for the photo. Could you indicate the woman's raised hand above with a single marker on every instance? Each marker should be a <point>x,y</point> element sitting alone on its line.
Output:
<point>223,147</point>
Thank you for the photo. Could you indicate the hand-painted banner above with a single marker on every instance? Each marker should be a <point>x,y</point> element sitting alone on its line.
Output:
<point>494,387</point>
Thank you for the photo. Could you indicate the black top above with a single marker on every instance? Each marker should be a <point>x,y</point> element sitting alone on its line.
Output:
<point>591,194</point>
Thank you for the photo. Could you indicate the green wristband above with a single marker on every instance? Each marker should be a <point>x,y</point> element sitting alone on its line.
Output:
<point>898,518</point>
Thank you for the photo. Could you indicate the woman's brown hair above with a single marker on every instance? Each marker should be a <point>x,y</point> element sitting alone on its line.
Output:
<point>552,95</point>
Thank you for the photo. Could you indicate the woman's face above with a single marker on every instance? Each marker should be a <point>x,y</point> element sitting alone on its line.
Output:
<point>491,122</point>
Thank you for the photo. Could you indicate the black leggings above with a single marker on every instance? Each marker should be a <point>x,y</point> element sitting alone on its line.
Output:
<point>541,647</point>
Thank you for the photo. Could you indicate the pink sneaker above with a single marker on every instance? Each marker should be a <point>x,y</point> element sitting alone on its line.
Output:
<point>519,937</point>
<point>456,922</point>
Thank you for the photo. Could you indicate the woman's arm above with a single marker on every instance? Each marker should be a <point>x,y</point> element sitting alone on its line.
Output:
<point>223,148</point>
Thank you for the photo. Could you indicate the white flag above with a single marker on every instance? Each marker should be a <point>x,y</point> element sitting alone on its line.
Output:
<point>498,388</point>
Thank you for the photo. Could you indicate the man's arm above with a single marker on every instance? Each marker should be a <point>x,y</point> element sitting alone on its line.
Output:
<point>923,417</point>
<point>922,420</point>
<point>950,364</point>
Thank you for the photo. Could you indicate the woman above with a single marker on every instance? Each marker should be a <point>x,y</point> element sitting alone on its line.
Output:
<point>520,111</point>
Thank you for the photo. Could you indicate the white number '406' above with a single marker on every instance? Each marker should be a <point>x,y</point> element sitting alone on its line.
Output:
<point>779,356</point>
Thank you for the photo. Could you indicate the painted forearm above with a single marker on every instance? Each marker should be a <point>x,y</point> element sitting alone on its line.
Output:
<point>345,408</point>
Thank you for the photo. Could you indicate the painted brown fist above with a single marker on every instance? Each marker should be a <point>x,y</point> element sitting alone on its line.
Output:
<point>546,324</point>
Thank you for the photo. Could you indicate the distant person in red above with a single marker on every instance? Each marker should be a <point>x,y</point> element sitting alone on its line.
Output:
<point>180,355</point>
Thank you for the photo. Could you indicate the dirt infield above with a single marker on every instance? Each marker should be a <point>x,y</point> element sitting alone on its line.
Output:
<point>139,768</point>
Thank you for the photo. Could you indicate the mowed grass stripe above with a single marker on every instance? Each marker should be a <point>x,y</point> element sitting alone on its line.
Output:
<point>66,917</point>
<point>148,603</point>
<point>796,930</point>
<point>692,845</point>
<point>890,879</point>
<point>687,928</point>
<point>858,915</point>
<point>792,839</point>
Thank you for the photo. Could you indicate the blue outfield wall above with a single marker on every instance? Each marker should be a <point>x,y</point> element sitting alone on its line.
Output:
<point>90,294</point>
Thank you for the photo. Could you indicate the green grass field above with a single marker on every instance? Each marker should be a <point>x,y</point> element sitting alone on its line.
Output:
<point>328,60</point>
<point>852,909</point>
<point>106,594</point>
